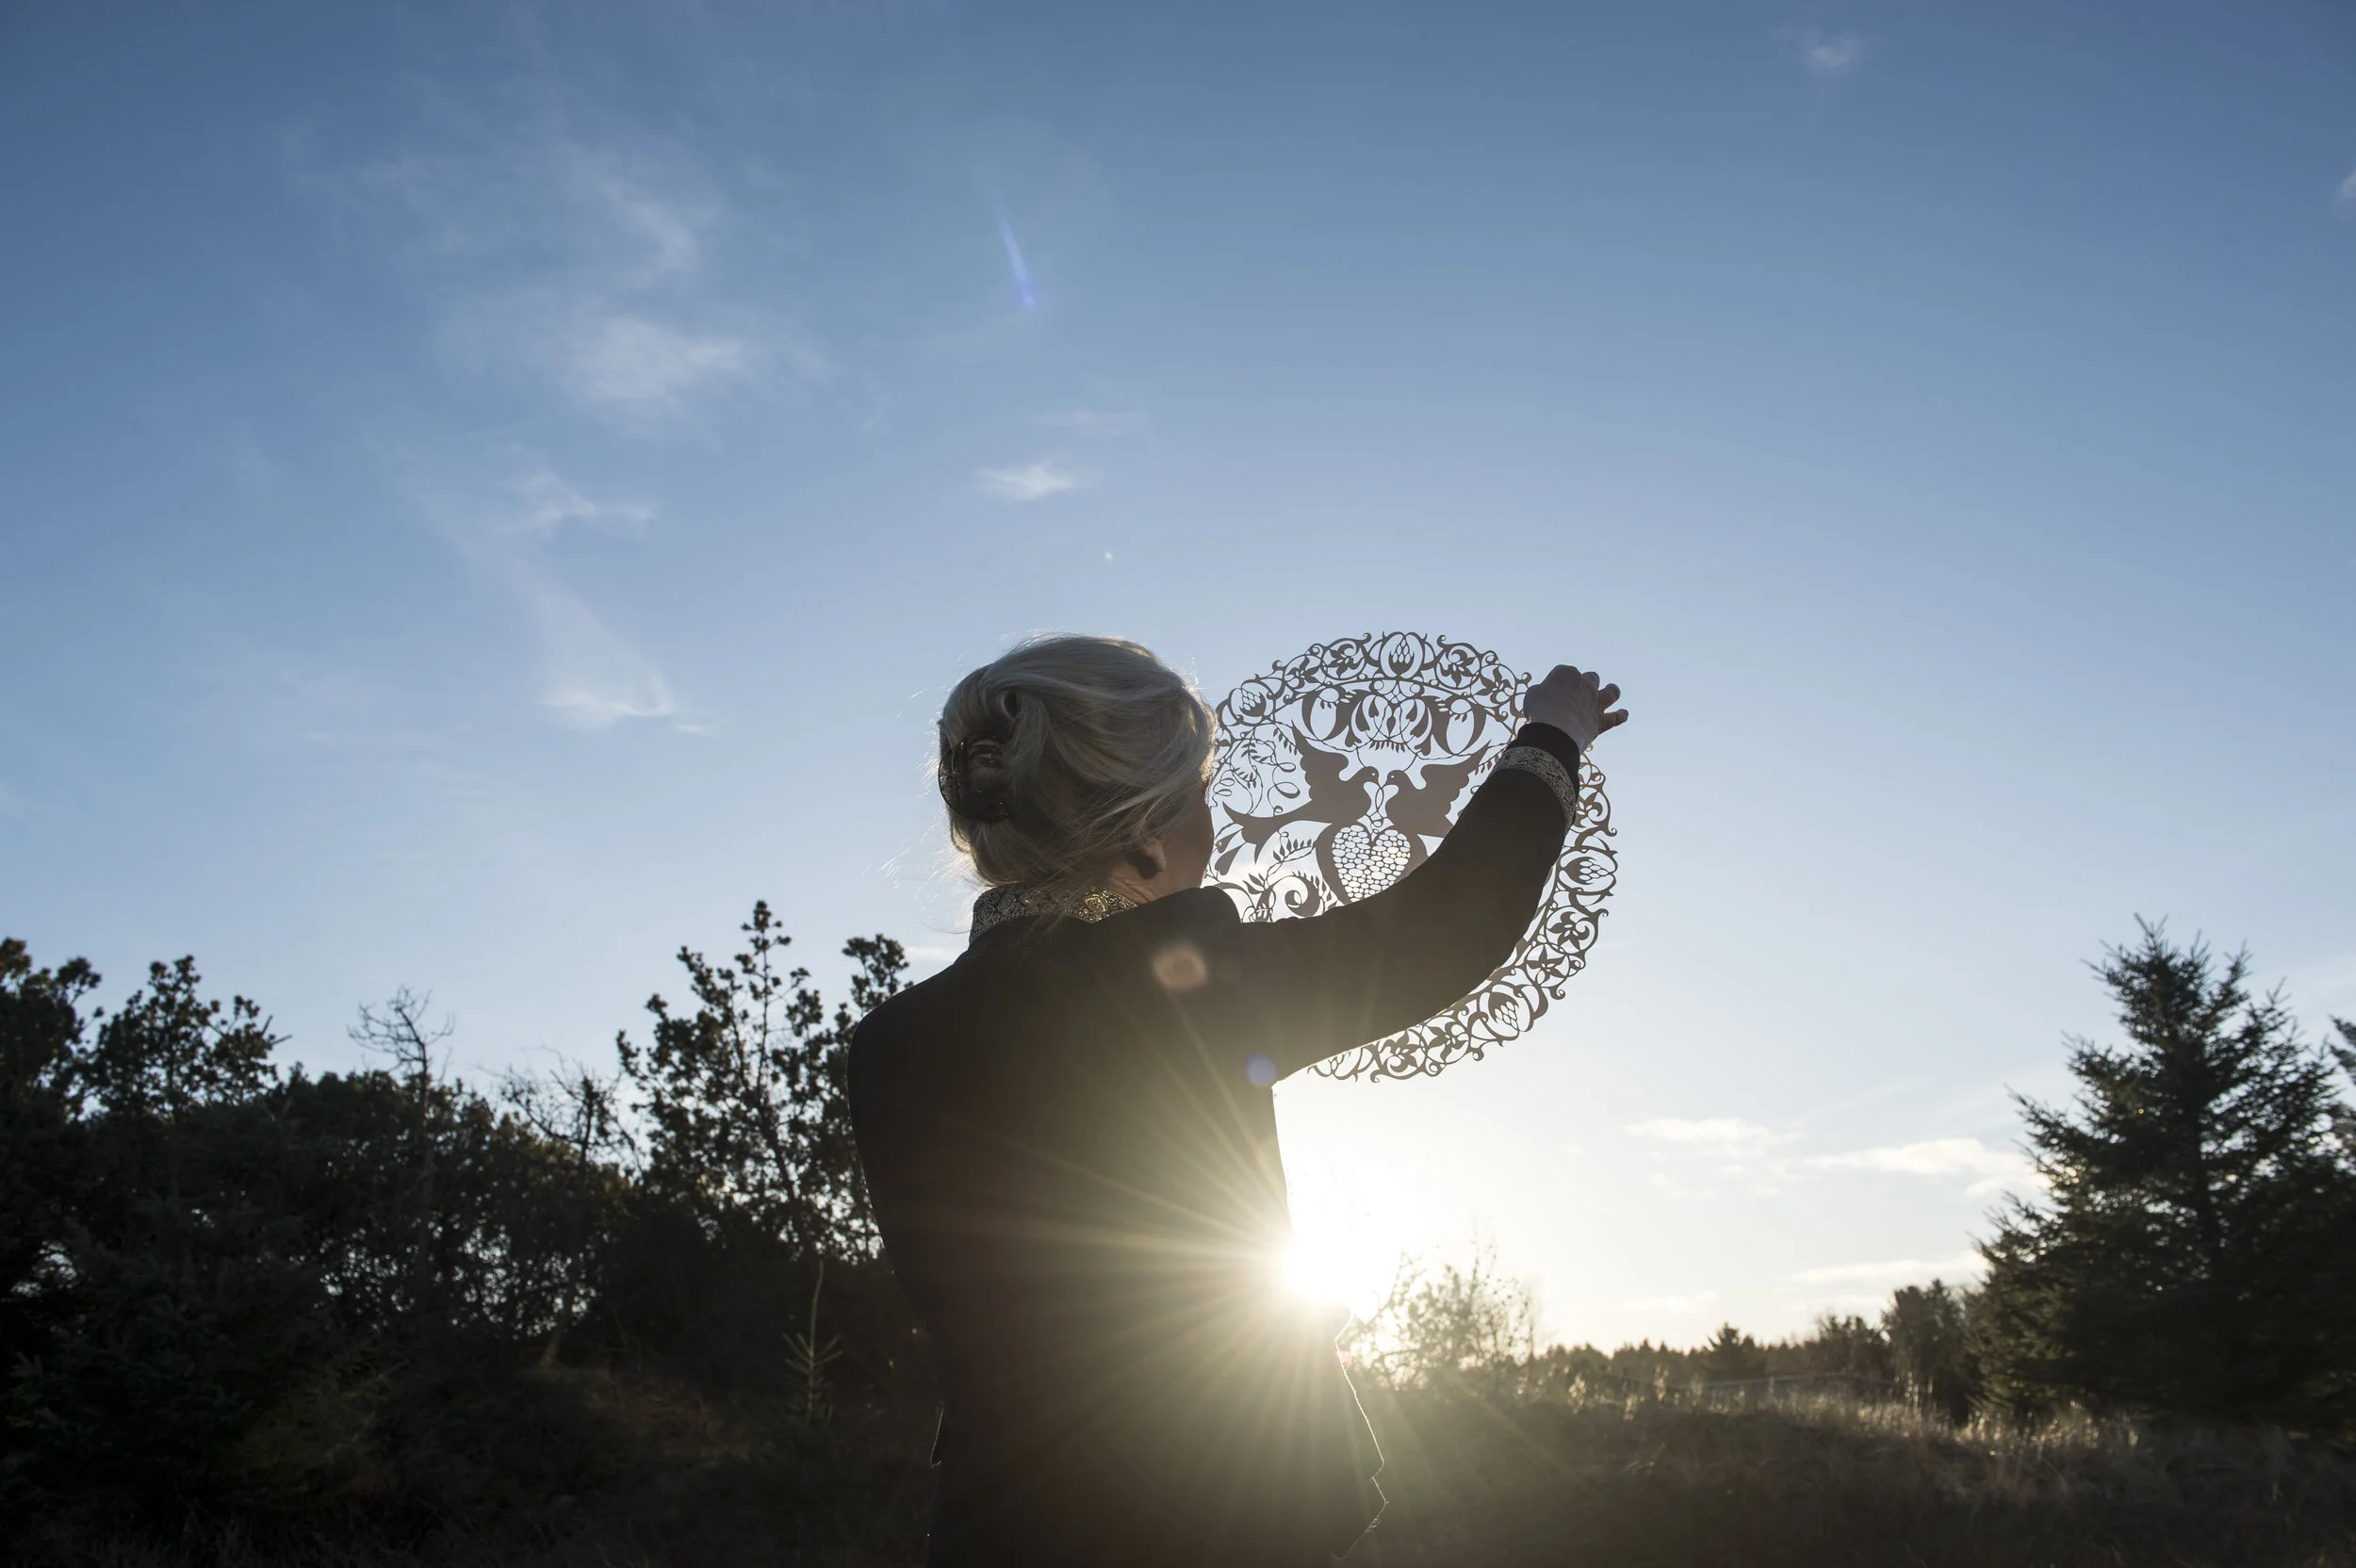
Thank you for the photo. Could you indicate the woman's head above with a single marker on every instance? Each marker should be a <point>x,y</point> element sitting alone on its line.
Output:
<point>1064,758</point>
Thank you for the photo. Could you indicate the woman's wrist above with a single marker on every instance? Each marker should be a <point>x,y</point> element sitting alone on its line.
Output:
<point>1553,738</point>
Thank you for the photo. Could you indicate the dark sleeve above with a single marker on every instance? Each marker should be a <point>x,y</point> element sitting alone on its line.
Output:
<point>1301,990</point>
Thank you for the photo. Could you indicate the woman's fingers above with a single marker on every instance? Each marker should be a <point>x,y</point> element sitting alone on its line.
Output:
<point>1576,701</point>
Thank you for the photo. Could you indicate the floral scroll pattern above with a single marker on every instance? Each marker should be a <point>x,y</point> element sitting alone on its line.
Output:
<point>1341,769</point>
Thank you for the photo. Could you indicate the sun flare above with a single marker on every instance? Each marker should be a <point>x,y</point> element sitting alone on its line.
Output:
<point>1353,1277</point>
<point>1354,1216</point>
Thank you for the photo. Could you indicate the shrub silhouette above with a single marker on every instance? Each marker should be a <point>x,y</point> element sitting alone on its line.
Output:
<point>230,1286</point>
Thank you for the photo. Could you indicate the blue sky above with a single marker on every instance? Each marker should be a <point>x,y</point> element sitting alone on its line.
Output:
<point>493,489</point>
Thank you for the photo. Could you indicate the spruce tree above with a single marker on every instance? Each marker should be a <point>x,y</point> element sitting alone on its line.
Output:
<point>1926,1330</point>
<point>1731,1356</point>
<point>2194,1253</point>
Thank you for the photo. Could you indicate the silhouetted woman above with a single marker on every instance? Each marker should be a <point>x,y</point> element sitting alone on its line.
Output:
<point>1069,1137</point>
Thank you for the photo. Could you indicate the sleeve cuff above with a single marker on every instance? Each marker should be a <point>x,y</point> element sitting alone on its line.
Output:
<point>1552,741</point>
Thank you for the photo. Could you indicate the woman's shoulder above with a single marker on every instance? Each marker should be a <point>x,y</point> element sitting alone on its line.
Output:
<point>889,1022</point>
<point>925,1007</point>
<point>1022,966</point>
<point>1173,943</point>
<point>1204,915</point>
<point>1195,907</point>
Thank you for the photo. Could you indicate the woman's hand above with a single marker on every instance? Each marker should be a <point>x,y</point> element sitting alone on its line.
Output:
<point>1576,703</point>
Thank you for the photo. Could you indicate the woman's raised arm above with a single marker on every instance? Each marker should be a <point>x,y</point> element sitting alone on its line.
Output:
<point>1301,990</point>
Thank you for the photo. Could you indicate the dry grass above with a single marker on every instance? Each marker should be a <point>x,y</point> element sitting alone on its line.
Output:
<point>1828,1480</point>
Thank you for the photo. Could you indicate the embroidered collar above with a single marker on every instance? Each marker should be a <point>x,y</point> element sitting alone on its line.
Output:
<point>999,904</point>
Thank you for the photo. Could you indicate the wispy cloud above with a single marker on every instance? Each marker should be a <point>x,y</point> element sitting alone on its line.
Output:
<point>591,678</point>
<point>577,264</point>
<point>1992,1169</point>
<point>1759,1155</point>
<point>2347,189</point>
<point>643,367</point>
<point>590,675</point>
<point>544,503</point>
<point>1828,55</point>
<point>1722,1135</point>
<point>1896,1271</point>
<point>1034,481</point>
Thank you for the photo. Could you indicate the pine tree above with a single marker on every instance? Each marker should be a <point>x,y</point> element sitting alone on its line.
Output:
<point>1925,1326</point>
<point>2194,1253</point>
<point>1731,1356</point>
<point>2344,1118</point>
<point>746,1099</point>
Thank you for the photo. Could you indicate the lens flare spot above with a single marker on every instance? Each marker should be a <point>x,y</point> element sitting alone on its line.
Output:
<point>1181,967</point>
<point>1261,1070</point>
<point>1025,296</point>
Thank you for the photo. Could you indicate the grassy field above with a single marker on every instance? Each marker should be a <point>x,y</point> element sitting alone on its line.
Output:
<point>588,1471</point>
<point>1832,1482</point>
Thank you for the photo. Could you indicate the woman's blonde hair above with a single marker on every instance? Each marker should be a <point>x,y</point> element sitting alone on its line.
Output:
<point>1064,755</point>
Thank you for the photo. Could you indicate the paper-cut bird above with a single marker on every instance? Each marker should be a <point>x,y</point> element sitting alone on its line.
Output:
<point>1426,811</point>
<point>1333,799</point>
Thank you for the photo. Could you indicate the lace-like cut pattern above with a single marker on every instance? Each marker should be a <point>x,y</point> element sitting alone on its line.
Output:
<point>1341,769</point>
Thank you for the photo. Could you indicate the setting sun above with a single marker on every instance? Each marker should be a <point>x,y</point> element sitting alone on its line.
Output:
<point>1318,1273</point>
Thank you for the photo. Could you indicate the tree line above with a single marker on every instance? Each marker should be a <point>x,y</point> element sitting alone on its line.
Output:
<point>2191,1255</point>
<point>1470,1328</point>
<point>222,1282</point>
<point>230,1284</point>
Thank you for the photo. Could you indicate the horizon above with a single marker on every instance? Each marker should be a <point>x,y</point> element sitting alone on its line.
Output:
<point>498,490</point>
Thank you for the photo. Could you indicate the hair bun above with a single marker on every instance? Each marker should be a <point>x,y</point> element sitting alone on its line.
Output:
<point>975,783</point>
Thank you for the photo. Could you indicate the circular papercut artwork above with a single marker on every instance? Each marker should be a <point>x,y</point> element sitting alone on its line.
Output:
<point>1340,771</point>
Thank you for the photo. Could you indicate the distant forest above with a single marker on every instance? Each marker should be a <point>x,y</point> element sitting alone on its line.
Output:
<point>242,1302</point>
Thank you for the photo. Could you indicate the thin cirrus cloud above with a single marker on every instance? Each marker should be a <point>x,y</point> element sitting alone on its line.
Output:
<point>1750,1150</point>
<point>545,504</point>
<point>590,675</point>
<point>2347,190</point>
<point>640,367</point>
<point>1827,55</point>
<point>1034,481</point>
<point>573,265</point>
<point>591,678</point>
<point>1992,1170</point>
<point>1722,1135</point>
<point>576,264</point>
<point>1896,1271</point>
